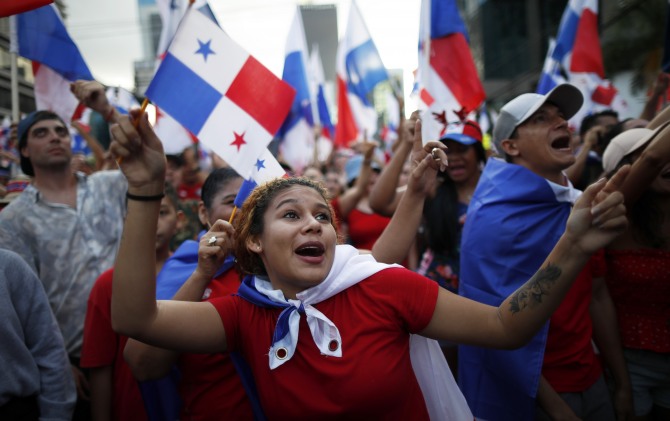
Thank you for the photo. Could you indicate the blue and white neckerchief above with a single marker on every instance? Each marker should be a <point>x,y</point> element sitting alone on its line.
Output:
<point>443,398</point>
<point>349,268</point>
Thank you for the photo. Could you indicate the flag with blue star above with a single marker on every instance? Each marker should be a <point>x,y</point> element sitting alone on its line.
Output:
<point>220,93</point>
<point>265,169</point>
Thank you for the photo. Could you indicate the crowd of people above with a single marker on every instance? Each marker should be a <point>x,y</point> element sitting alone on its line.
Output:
<point>440,281</point>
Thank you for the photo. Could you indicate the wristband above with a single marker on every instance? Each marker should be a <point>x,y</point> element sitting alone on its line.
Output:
<point>137,198</point>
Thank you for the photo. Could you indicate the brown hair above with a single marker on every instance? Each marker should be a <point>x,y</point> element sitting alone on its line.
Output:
<point>248,221</point>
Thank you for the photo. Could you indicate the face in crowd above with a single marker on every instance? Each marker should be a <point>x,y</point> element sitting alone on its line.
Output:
<point>285,230</point>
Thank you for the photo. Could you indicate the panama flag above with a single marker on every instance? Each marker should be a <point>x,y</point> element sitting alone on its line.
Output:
<point>171,12</point>
<point>265,169</point>
<point>297,133</point>
<point>449,87</point>
<point>220,93</point>
<point>324,141</point>
<point>577,57</point>
<point>12,7</point>
<point>41,37</point>
<point>359,69</point>
<point>174,137</point>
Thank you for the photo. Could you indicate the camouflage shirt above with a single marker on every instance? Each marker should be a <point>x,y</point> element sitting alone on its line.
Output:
<point>68,248</point>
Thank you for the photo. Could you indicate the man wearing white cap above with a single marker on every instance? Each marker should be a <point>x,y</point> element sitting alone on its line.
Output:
<point>515,217</point>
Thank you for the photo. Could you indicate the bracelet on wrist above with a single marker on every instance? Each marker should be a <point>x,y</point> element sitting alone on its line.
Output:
<point>139,198</point>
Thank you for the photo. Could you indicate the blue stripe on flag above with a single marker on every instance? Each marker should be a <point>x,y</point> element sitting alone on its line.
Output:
<point>42,37</point>
<point>446,20</point>
<point>365,70</point>
<point>294,74</point>
<point>182,94</point>
<point>567,33</point>
<point>245,190</point>
<point>324,114</point>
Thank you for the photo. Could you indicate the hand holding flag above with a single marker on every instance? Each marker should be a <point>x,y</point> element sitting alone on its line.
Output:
<point>139,153</point>
<point>221,94</point>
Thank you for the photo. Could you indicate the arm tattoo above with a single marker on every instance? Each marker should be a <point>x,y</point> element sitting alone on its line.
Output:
<point>531,293</point>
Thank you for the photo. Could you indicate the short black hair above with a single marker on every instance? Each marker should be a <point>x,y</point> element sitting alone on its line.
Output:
<point>22,133</point>
<point>216,181</point>
<point>591,120</point>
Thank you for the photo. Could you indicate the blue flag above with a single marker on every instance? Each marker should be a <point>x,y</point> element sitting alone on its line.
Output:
<point>513,222</point>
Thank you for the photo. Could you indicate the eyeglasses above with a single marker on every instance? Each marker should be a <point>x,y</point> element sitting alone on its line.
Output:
<point>41,132</point>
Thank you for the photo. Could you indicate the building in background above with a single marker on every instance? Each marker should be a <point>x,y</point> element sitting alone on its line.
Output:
<point>25,74</point>
<point>150,33</point>
<point>509,40</point>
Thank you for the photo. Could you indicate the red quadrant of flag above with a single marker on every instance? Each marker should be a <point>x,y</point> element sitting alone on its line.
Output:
<point>261,94</point>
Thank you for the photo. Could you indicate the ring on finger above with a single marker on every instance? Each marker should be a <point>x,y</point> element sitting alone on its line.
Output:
<point>211,241</point>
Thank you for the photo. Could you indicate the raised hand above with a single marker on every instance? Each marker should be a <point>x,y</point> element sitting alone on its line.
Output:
<point>599,216</point>
<point>426,159</point>
<point>139,153</point>
<point>91,93</point>
<point>214,246</point>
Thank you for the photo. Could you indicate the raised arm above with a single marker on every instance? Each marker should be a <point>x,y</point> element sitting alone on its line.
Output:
<point>647,167</point>
<point>92,94</point>
<point>395,242</point>
<point>93,144</point>
<point>350,198</point>
<point>149,362</point>
<point>575,171</point>
<point>512,324</point>
<point>184,326</point>
<point>658,91</point>
<point>385,195</point>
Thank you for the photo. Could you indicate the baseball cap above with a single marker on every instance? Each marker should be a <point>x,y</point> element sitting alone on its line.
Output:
<point>626,143</point>
<point>568,98</point>
<point>466,132</point>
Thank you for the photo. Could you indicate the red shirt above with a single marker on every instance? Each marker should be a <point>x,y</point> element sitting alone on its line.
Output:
<point>363,228</point>
<point>373,379</point>
<point>103,347</point>
<point>189,191</point>
<point>639,283</point>
<point>570,362</point>
<point>210,386</point>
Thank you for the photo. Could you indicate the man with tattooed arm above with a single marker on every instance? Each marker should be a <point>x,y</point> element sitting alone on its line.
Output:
<point>516,215</point>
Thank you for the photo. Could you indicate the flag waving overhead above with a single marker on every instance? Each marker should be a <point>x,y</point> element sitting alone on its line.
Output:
<point>359,69</point>
<point>265,169</point>
<point>297,132</point>
<point>324,141</point>
<point>171,12</point>
<point>221,94</point>
<point>174,137</point>
<point>447,76</point>
<point>577,57</point>
<point>12,7</point>
<point>41,37</point>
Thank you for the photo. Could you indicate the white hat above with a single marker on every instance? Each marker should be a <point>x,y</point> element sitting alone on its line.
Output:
<point>626,143</point>
<point>568,98</point>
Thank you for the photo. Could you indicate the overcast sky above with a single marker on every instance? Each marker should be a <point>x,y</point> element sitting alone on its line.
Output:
<point>108,34</point>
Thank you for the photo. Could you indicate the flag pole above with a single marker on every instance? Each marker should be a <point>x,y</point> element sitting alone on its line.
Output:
<point>13,58</point>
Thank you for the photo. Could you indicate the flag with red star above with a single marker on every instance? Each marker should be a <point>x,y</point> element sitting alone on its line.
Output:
<point>220,93</point>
